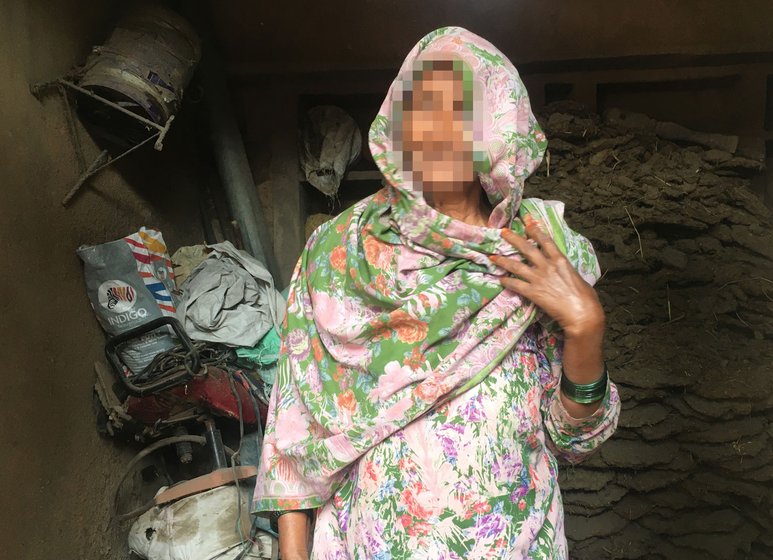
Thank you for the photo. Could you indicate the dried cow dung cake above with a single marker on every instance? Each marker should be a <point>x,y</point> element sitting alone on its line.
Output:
<point>686,250</point>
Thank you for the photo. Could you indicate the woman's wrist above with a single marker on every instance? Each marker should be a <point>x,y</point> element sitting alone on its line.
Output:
<point>583,351</point>
<point>588,328</point>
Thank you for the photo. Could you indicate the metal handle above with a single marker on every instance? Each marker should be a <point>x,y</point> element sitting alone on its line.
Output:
<point>175,378</point>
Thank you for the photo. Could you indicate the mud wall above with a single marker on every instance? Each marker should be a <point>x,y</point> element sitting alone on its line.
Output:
<point>687,256</point>
<point>56,473</point>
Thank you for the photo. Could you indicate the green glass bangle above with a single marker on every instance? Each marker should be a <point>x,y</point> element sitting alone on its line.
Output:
<point>586,393</point>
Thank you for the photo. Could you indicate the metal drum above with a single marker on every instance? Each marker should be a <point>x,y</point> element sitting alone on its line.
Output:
<point>143,67</point>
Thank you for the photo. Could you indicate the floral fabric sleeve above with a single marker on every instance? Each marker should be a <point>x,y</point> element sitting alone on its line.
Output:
<point>572,439</point>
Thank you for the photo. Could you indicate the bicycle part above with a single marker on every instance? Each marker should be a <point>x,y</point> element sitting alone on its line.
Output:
<point>215,441</point>
<point>184,449</point>
<point>160,444</point>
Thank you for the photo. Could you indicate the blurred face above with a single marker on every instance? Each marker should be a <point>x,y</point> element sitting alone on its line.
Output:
<point>437,137</point>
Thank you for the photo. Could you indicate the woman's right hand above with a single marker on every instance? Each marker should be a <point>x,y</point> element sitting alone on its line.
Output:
<point>294,535</point>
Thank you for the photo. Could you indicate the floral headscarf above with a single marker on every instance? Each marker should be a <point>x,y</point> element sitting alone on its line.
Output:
<point>394,307</point>
<point>513,142</point>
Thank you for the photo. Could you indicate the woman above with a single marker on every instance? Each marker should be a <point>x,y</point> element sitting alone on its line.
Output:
<point>434,364</point>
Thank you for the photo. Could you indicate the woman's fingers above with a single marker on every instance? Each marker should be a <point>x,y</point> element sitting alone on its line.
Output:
<point>518,286</point>
<point>518,268</point>
<point>551,282</point>
<point>534,231</point>
<point>527,250</point>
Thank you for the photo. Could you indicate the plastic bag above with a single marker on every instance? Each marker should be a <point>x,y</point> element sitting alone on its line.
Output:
<point>230,298</point>
<point>130,282</point>
<point>330,142</point>
<point>200,527</point>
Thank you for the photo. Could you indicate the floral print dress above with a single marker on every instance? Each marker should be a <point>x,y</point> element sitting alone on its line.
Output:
<point>473,479</point>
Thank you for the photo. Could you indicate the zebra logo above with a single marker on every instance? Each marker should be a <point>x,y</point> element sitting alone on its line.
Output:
<point>117,296</point>
<point>114,295</point>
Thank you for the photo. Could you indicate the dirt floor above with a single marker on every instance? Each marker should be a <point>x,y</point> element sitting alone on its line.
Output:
<point>687,255</point>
